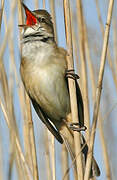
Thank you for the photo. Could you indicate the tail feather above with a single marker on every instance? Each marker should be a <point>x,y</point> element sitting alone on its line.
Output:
<point>95,171</point>
<point>95,168</point>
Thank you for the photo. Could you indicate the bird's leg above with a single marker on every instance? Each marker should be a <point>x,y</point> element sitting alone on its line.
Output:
<point>74,126</point>
<point>77,127</point>
<point>70,74</point>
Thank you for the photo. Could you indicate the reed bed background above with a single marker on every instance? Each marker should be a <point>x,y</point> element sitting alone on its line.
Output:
<point>27,149</point>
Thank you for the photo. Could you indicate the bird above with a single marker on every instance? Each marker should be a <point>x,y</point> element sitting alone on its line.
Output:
<point>45,76</point>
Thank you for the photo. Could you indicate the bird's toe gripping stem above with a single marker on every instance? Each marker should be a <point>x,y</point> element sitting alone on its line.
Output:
<point>77,127</point>
<point>70,74</point>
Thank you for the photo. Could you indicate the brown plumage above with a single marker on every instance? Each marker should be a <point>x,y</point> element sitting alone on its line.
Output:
<point>43,71</point>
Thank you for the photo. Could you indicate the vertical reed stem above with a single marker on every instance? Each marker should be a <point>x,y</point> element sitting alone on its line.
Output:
<point>72,88</point>
<point>81,25</point>
<point>98,91</point>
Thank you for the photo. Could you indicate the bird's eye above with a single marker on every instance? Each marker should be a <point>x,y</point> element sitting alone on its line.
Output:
<point>41,19</point>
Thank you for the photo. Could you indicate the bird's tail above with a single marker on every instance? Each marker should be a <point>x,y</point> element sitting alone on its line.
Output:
<point>68,138</point>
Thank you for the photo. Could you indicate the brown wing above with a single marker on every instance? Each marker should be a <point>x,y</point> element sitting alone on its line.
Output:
<point>46,121</point>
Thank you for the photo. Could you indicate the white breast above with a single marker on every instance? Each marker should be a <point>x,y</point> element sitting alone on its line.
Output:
<point>37,51</point>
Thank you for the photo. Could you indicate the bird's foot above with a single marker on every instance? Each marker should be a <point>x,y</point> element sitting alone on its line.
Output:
<point>77,127</point>
<point>70,74</point>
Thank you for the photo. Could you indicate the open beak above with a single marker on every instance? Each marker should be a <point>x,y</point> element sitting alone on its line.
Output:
<point>30,18</point>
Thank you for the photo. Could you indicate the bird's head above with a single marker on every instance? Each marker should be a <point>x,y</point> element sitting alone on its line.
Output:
<point>38,23</point>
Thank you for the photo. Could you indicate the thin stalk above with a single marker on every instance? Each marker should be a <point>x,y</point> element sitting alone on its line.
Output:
<point>52,7</point>
<point>83,66</point>
<point>53,158</point>
<point>98,91</point>
<point>115,44</point>
<point>52,154</point>
<point>72,88</point>
<point>89,62</point>
<point>100,124</point>
<point>1,12</point>
<point>27,142</point>
<point>44,4</point>
<point>108,52</point>
<point>75,44</point>
<point>32,140</point>
<point>65,162</point>
<point>47,156</point>
<point>64,150</point>
<point>12,157</point>
<point>3,46</point>
<point>1,159</point>
<point>19,166</point>
<point>36,4</point>
<point>11,46</point>
<point>104,148</point>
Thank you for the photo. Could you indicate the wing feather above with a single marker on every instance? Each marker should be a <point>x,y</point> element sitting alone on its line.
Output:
<point>46,121</point>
